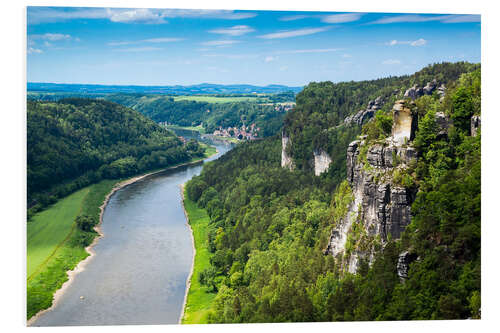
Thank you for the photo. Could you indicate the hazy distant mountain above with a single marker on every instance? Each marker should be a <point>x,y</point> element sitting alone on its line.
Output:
<point>203,88</point>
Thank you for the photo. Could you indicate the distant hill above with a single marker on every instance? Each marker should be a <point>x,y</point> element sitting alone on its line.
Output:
<point>203,88</point>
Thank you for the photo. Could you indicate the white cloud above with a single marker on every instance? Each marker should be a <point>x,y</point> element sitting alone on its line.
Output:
<point>141,15</point>
<point>37,15</point>
<point>270,58</point>
<point>418,42</point>
<point>391,62</point>
<point>346,55</point>
<point>150,40</point>
<point>293,33</point>
<point>237,30</point>
<point>341,18</point>
<point>425,18</point>
<point>293,17</point>
<point>51,36</point>
<point>219,42</point>
<point>32,50</point>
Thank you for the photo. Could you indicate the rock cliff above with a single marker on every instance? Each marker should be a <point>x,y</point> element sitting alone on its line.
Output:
<point>286,160</point>
<point>321,161</point>
<point>380,206</point>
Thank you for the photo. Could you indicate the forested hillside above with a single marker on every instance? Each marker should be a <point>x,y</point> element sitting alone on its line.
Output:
<point>270,225</point>
<point>210,115</point>
<point>75,142</point>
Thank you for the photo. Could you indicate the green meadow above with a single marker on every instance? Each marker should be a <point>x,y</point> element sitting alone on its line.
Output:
<point>55,245</point>
<point>48,230</point>
<point>199,298</point>
<point>216,99</point>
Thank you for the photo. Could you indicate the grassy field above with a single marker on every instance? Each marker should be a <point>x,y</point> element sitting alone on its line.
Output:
<point>198,298</point>
<point>198,128</point>
<point>47,268</point>
<point>215,99</point>
<point>50,228</point>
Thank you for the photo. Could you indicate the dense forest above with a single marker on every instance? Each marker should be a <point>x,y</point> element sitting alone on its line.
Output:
<point>269,226</point>
<point>75,142</point>
<point>210,115</point>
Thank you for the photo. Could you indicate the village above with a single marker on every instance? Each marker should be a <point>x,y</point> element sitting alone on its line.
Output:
<point>243,133</point>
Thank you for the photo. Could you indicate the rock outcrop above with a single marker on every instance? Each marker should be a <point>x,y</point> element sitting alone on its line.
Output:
<point>405,122</point>
<point>286,160</point>
<point>322,161</point>
<point>362,116</point>
<point>443,122</point>
<point>416,91</point>
<point>475,125</point>
<point>380,205</point>
<point>404,261</point>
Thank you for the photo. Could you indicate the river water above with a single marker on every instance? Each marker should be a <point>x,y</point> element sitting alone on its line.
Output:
<point>139,273</point>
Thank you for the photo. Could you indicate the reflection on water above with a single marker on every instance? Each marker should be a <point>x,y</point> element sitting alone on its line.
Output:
<point>139,273</point>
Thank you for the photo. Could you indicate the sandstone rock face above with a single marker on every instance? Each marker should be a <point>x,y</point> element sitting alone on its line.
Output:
<point>443,122</point>
<point>404,123</point>
<point>475,125</point>
<point>383,207</point>
<point>322,162</point>
<point>404,261</point>
<point>286,161</point>
<point>364,115</point>
<point>416,92</point>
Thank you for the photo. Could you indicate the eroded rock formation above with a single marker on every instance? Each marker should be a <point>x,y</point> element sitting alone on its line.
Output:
<point>286,160</point>
<point>362,116</point>
<point>404,123</point>
<point>322,161</point>
<point>475,125</point>
<point>416,91</point>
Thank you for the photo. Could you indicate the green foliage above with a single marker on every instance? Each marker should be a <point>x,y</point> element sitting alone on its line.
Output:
<point>466,100</point>
<point>379,128</point>
<point>86,222</point>
<point>76,142</point>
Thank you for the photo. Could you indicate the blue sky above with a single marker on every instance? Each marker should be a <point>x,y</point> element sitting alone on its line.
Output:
<point>174,46</point>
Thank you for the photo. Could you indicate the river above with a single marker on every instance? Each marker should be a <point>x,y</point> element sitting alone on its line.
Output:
<point>139,272</point>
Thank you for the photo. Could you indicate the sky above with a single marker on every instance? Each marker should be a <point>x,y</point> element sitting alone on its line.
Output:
<point>127,46</point>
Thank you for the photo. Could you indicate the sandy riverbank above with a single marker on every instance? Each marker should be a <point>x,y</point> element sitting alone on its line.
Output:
<point>188,281</point>
<point>81,265</point>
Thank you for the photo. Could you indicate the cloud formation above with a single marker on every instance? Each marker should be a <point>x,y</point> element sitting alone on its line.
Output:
<point>293,33</point>
<point>425,18</point>
<point>32,50</point>
<point>237,30</point>
<point>219,42</point>
<point>38,15</point>
<point>341,18</point>
<point>333,18</point>
<point>418,42</point>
